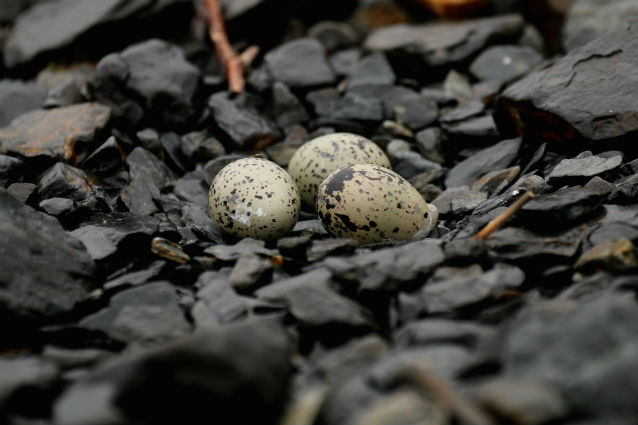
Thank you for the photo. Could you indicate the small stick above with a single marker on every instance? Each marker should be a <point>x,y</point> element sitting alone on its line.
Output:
<point>503,217</point>
<point>225,54</point>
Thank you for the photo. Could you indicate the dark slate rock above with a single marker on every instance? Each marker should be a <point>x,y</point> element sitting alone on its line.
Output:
<point>104,235</point>
<point>613,231</point>
<point>411,164</point>
<point>373,69</point>
<point>458,200</point>
<point>416,112</point>
<point>233,252</point>
<point>561,103</point>
<point>150,80</point>
<point>241,121</point>
<point>333,35</point>
<point>323,101</point>
<point>17,98</point>
<point>525,400</point>
<point>505,63</point>
<point>430,144</point>
<point>201,146</point>
<point>12,8</point>
<point>173,155</point>
<point>443,44</point>
<point>23,192</point>
<point>106,159</point>
<point>9,167</point>
<point>626,190</point>
<point>148,176</point>
<point>453,289</point>
<point>561,209</point>
<point>343,61</point>
<point>481,130</point>
<point>191,190</point>
<point>149,139</point>
<point>67,134</point>
<point>239,370</point>
<point>250,270</point>
<point>390,268</point>
<point>588,351</point>
<point>443,331</point>
<point>322,248</point>
<point>300,63</point>
<point>310,300</point>
<point>136,278</point>
<point>514,243</point>
<point>352,106</point>
<point>495,182</point>
<point>147,313</point>
<point>45,272</point>
<point>25,381</point>
<point>58,207</point>
<point>489,159</point>
<point>390,96</point>
<point>213,166</point>
<point>65,181</point>
<point>590,19</point>
<point>468,109</point>
<point>571,170</point>
<point>286,108</point>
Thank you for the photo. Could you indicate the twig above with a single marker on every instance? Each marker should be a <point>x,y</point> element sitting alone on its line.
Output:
<point>435,387</point>
<point>503,217</point>
<point>231,62</point>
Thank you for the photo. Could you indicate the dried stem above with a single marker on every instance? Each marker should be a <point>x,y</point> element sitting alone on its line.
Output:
<point>231,62</point>
<point>503,217</point>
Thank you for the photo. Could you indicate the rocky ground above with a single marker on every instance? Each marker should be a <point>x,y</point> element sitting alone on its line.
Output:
<point>122,303</point>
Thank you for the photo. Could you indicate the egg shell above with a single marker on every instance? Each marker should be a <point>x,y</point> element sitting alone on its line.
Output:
<point>315,159</point>
<point>370,203</point>
<point>255,198</point>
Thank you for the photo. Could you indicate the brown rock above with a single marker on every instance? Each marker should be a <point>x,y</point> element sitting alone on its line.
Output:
<point>67,134</point>
<point>614,256</point>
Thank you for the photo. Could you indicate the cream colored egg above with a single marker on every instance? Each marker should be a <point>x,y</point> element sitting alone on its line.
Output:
<point>255,198</point>
<point>370,203</point>
<point>315,159</point>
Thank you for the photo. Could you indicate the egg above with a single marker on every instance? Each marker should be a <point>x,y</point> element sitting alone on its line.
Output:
<point>315,159</point>
<point>370,203</point>
<point>253,197</point>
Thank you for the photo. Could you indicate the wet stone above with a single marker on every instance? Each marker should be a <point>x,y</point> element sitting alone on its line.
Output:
<point>241,121</point>
<point>30,241</point>
<point>144,314</point>
<point>505,63</point>
<point>466,286</point>
<point>489,159</point>
<point>254,356</point>
<point>17,98</point>
<point>443,44</point>
<point>566,344</point>
<point>300,64</point>
<point>67,134</point>
<point>149,81</point>
<point>570,170</point>
<point>590,19</point>
<point>562,103</point>
<point>372,69</point>
<point>23,192</point>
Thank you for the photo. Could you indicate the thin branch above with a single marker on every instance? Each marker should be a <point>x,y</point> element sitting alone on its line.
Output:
<point>231,62</point>
<point>503,217</point>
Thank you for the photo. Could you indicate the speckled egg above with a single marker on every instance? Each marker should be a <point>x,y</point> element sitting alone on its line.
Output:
<point>319,157</point>
<point>255,198</point>
<point>370,203</point>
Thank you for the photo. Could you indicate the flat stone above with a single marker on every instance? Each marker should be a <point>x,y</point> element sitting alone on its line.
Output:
<point>320,249</point>
<point>443,44</point>
<point>371,69</point>
<point>58,207</point>
<point>149,81</point>
<point>589,19</point>
<point>613,231</point>
<point>495,181</point>
<point>390,268</point>
<point>65,181</point>
<point>286,109</point>
<point>481,129</point>
<point>253,355</point>
<point>249,270</point>
<point>514,243</point>
<point>572,169</point>
<point>241,121</point>
<point>310,300</point>
<point>626,190</point>
<point>23,192</point>
<point>201,146</point>
<point>561,104</point>
<point>191,190</point>
<point>300,63</point>
<point>333,35</point>
<point>467,109</point>
<point>147,313</point>
<point>458,200</point>
<point>17,98</point>
<point>233,252</point>
<point>527,401</point>
<point>46,272</point>
<point>494,158</point>
<point>416,113</point>
<point>616,256</point>
<point>586,350</point>
<point>465,288</point>
<point>430,144</point>
<point>66,134</point>
<point>104,235</point>
<point>390,96</point>
<point>505,63</point>
<point>148,176</point>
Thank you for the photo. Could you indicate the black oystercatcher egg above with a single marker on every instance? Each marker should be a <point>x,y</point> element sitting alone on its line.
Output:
<point>255,198</point>
<point>315,159</point>
<point>370,203</point>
